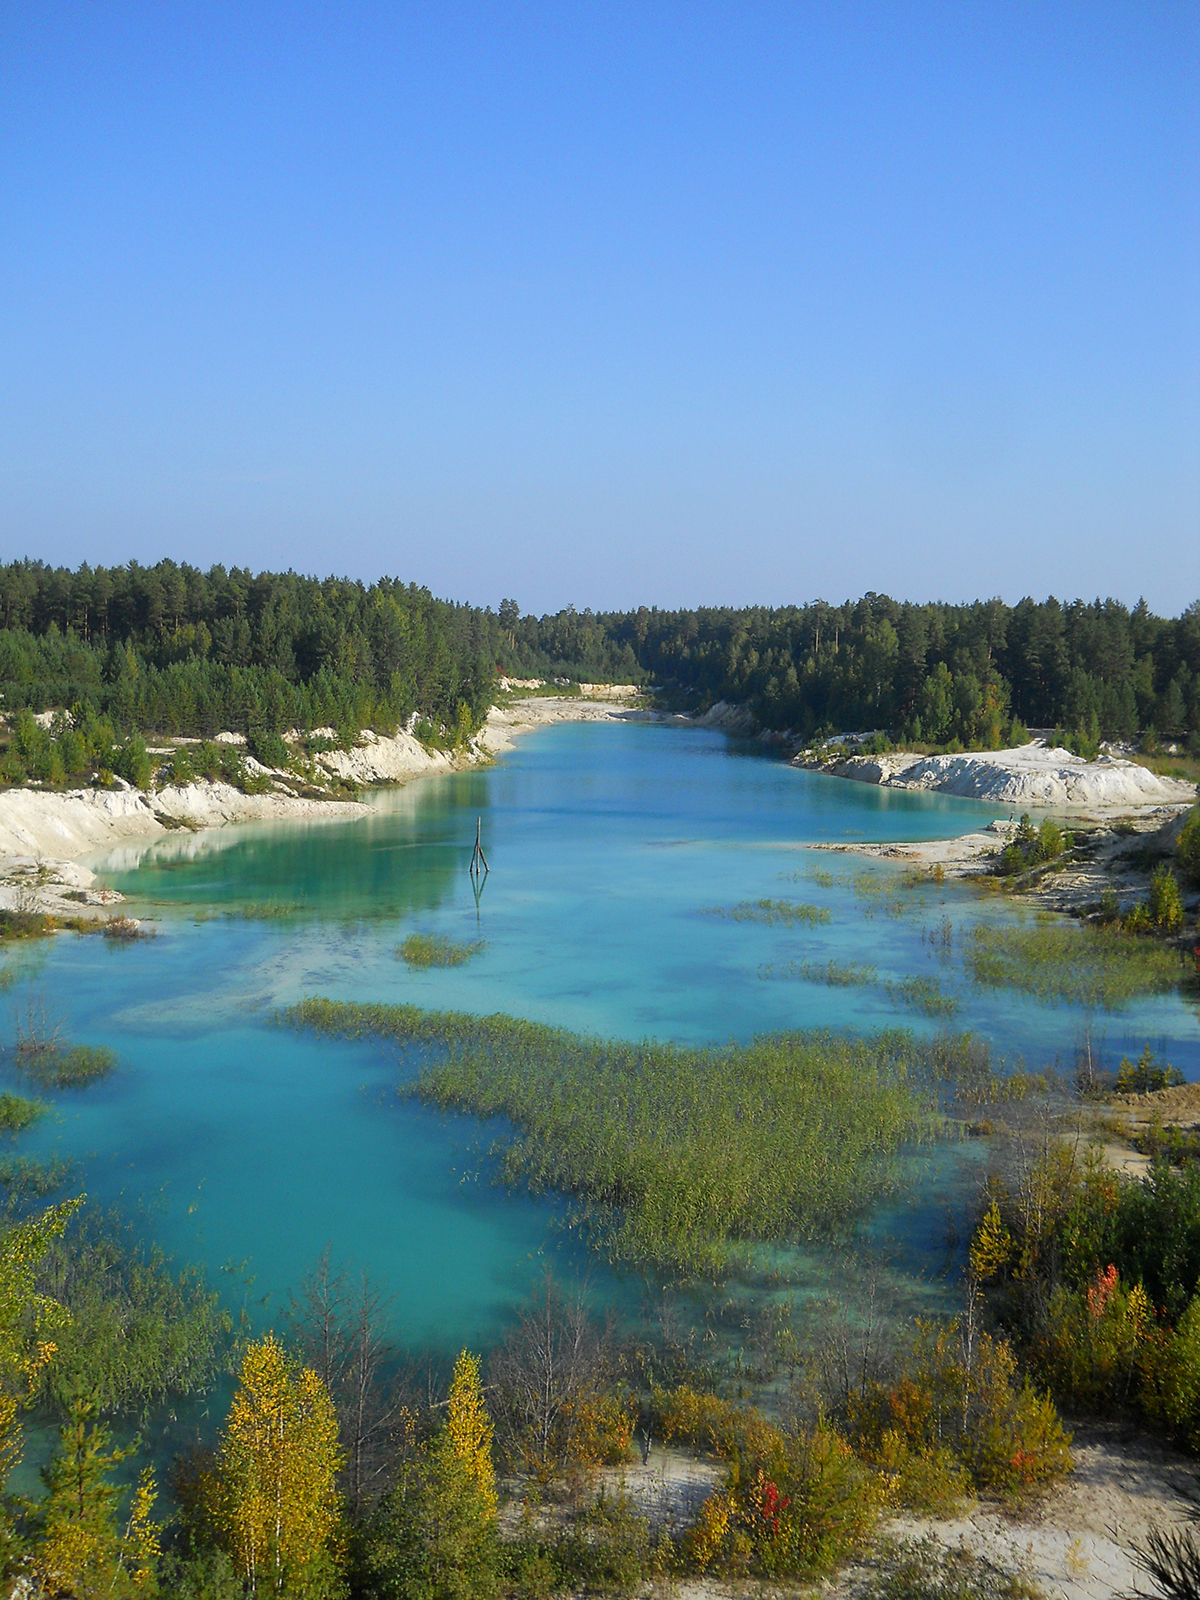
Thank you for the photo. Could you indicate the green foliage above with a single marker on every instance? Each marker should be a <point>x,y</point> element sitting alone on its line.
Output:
<point>1165,907</point>
<point>18,1112</point>
<point>957,1390</point>
<point>140,1333</point>
<point>837,974</point>
<point>72,1067</point>
<point>1146,1075</point>
<point>789,913</point>
<point>435,950</point>
<point>433,1537</point>
<point>925,995</point>
<point>1087,966</point>
<point>81,1545</point>
<point>676,1154</point>
<point>1031,847</point>
<point>1187,848</point>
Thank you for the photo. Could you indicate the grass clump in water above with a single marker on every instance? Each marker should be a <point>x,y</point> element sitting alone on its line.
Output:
<point>1085,966</point>
<point>435,950</point>
<point>71,1068</point>
<point>677,1155</point>
<point>790,913</point>
<point>18,1113</point>
<point>925,995</point>
<point>835,974</point>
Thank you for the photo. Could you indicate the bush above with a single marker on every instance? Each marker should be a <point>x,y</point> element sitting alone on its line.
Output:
<point>1187,848</point>
<point>1145,1076</point>
<point>798,1508</point>
<point>958,1391</point>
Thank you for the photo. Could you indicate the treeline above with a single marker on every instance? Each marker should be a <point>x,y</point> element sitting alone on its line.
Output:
<point>173,649</point>
<point>179,651</point>
<point>934,673</point>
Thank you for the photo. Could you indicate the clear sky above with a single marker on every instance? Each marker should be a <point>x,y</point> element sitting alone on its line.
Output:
<point>608,304</point>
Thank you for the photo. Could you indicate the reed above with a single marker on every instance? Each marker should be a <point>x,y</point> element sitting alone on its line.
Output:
<point>835,974</point>
<point>74,1067</point>
<point>675,1156</point>
<point>1099,967</point>
<point>925,995</point>
<point>18,1113</point>
<point>435,950</point>
<point>789,913</point>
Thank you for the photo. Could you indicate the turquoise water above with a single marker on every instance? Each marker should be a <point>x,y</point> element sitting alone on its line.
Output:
<point>251,1147</point>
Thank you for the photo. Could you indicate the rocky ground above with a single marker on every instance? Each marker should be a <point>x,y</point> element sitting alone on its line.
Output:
<point>1033,774</point>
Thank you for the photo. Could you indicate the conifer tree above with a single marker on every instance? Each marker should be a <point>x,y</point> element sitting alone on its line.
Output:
<point>80,1547</point>
<point>276,1497</point>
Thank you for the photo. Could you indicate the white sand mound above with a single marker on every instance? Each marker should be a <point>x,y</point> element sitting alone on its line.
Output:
<point>1031,775</point>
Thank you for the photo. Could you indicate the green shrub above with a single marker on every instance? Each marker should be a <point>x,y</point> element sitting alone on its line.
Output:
<point>962,1394</point>
<point>1187,848</point>
<point>1146,1076</point>
<point>132,763</point>
<point>1165,905</point>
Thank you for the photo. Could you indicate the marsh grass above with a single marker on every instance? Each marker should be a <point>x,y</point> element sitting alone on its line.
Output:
<point>1086,966</point>
<point>72,1067</point>
<point>28,1179</point>
<point>675,1156</point>
<point>835,974</point>
<point>925,995</point>
<point>435,950</point>
<point>18,1113</point>
<point>788,913</point>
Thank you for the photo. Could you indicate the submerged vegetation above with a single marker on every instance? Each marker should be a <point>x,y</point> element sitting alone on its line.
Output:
<point>834,974</point>
<point>436,950</point>
<point>1088,966</point>
<point>676,1155</point>
<point>787,913</point>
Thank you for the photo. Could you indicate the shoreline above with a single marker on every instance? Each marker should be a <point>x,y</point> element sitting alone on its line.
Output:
<point>44,833</point>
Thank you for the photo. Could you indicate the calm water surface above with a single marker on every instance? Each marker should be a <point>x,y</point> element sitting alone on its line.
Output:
<point>251,1147</point>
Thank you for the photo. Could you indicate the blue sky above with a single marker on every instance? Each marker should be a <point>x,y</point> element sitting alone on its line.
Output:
<point>608,304</point>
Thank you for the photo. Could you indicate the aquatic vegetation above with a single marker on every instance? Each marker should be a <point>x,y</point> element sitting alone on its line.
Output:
<point>926,995</point>
<point>436,950</point>
<point>676,1155</point>
<point>836,974</point>
<point>1087,966</point>
<point>139,1332</point>
<point>27,1179</point>
<point>790,913</point>
<point>18,1113</point>
<point>72,1067</point>
<point>125,930</point>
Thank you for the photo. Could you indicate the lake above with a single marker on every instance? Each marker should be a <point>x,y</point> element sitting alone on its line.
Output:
<point>250,1148</point>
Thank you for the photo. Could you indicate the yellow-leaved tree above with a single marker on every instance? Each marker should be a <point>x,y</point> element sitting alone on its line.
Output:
<point>276,1497</point>
<point>27,1321</point>
<point>469,1429</point>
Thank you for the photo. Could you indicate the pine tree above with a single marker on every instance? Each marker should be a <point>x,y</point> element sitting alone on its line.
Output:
<point>80,1547</point>
<point>277,1500</point>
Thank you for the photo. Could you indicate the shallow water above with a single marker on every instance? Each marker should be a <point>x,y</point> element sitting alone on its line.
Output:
<point>252,1147</point>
